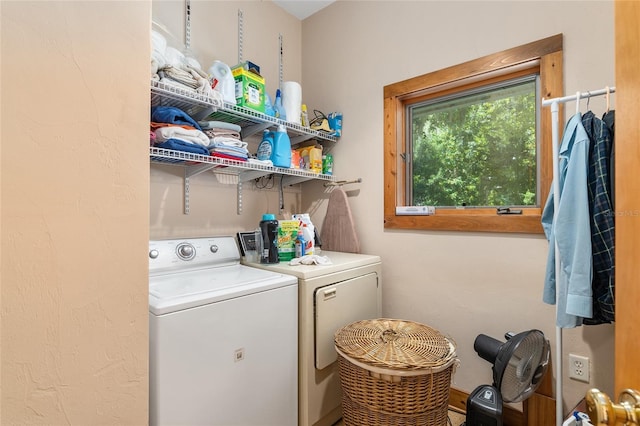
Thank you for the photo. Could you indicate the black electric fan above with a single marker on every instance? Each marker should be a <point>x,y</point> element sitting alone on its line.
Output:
<point>519,365</point>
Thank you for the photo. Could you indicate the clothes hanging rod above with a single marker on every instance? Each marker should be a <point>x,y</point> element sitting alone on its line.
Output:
<point>342,182</point>
<point>592,93</point>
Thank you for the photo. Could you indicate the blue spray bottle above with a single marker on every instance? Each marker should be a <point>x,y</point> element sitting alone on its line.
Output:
<point>280,112</point>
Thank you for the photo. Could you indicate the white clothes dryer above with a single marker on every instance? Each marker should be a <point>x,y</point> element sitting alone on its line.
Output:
<point>329,297</point>
<point>222,337</point>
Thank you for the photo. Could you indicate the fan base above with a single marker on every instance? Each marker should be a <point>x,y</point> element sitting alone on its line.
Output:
<point>484,407</point>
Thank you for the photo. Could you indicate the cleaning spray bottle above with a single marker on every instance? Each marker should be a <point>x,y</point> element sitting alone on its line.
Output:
<point>280,112</point>
<point>281,155</point>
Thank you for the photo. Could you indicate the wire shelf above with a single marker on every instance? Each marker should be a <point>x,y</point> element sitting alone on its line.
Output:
<point>249,119</point>
<point>203,107</point>
<point>196,105</point>
<point>241,168</point>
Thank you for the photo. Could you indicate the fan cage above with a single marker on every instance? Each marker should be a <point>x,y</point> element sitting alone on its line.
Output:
<point>525,357</point>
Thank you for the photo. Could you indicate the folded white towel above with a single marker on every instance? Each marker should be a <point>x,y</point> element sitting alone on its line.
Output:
<point>176,132</point>
<point>257,162</point>
<point>311,259</point>
<point>219,125</point>
<point>223,140</point>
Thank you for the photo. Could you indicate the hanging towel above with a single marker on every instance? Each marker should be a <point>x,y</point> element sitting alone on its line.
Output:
<point>338,229</point>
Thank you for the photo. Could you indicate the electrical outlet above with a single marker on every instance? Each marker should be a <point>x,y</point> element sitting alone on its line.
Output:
<point>579,368</point>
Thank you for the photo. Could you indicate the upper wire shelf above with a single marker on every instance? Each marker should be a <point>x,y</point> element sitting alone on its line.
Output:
<point>253,121</point>
<point>203,107</point>
<point>196,105</point>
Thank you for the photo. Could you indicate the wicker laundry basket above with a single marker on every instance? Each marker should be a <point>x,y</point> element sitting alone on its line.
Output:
<point>394,372</point>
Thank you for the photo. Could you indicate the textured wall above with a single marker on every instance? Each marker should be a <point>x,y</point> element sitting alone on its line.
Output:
<point>75,196</point>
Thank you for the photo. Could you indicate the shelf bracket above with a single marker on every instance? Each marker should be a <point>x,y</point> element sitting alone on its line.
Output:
<point>239,202</point>
<point>256,128</point>
<point>299,139</point>
<point>196,170</point>
<point>186,193</point>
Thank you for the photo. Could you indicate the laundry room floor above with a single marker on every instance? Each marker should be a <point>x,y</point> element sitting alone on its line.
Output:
<point>456,418</point>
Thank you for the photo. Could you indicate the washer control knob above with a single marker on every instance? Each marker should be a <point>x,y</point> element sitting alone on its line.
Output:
<point>186,251</point>
<point>154,254</point>
<point>214,248</point>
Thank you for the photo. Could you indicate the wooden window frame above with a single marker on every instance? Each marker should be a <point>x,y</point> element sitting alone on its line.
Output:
<point>543,56</point>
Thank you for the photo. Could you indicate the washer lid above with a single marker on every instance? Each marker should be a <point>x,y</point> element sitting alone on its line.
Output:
<point>178,291</point>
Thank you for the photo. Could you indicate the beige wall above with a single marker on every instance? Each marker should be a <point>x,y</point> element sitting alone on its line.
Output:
<point>74,182</point>
<point>461,283</point>
<point>74,209</point>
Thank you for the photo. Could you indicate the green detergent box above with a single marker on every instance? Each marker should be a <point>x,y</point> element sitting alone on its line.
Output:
<point>249,89</point>
<point>287,234</point>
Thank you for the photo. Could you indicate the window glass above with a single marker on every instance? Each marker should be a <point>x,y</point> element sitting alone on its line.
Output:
<point>475,148</point>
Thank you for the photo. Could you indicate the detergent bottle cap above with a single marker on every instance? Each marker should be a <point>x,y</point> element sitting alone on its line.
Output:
<point>268,216</point>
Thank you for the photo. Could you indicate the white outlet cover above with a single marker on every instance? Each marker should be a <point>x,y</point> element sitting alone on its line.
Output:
<point>579,368</point>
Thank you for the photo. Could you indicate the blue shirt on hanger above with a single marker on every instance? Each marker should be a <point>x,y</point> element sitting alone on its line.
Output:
<point>571,230</point>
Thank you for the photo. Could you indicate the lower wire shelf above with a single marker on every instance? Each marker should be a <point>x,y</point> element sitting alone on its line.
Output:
<point>195,164</point>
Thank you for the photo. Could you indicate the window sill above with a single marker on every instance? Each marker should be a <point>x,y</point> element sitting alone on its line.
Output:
<point>465,220</point>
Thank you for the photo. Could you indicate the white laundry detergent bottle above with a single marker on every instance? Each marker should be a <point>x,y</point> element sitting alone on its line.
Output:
<point>281,155</point>
<point>222,81</point>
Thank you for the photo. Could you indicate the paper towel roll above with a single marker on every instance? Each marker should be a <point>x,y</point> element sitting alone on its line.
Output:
<point>292,100</point>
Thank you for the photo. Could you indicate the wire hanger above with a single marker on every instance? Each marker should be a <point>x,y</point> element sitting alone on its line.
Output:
<point>577,102</point>
<point>608,97</point>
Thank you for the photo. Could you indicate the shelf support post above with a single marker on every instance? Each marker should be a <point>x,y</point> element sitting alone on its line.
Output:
<point>186,194</point>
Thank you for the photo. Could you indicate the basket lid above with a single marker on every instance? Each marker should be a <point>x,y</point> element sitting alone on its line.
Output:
<point>395,344</point>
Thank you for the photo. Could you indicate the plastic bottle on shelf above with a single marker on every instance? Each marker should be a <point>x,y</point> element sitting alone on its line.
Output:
<point>268,106</point>
<point>304,116</point>
<point>222,80</point>
<point>327,164</point>
<point>265,148</point>
<point>281,155</point>
<point>300,244</point>
<point>269,232</point>
<point>280,112</point>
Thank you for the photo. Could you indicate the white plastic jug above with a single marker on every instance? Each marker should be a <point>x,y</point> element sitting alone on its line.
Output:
<point>222,81</point>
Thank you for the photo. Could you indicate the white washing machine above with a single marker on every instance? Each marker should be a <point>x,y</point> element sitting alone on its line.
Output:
<point>330,297</point>
<point>223,337</point>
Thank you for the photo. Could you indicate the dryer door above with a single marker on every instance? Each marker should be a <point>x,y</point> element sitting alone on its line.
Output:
<point>341,304</point>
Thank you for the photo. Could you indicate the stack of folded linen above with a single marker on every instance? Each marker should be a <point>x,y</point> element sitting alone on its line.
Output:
<point>170,65</point>
<point>174,129</point>
<point>225,141</point>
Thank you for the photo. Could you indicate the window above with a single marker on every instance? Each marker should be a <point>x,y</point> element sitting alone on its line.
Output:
<point>474,148</point>
<point>472,138</point>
